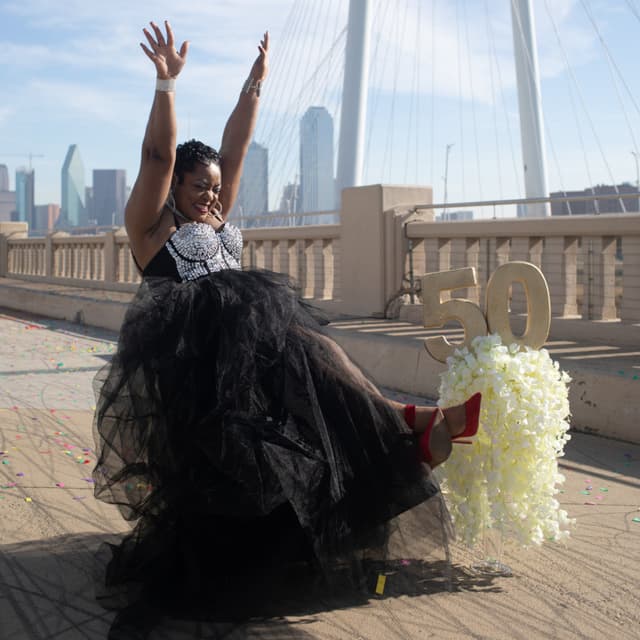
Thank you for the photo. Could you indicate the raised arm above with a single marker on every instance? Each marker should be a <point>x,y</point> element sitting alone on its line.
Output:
<point>239,128</point>
<point>152,185</point>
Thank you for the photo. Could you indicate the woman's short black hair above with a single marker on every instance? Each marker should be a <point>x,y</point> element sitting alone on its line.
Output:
<point>190,152</point>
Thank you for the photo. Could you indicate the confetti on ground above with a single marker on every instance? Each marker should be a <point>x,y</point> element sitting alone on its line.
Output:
<point>585,493</point>
<point>590,503</point>
<point>604,489</point>
<point>380,584</point>
<point>636,520</point>
<point>60,484</point>
<point>27,499</point>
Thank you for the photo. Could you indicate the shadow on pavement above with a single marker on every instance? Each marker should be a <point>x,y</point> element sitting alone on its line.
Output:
<point>48,591</point>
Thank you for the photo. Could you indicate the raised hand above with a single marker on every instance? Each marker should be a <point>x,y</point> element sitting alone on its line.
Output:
<point>163,54</point>
<point>260,67</point>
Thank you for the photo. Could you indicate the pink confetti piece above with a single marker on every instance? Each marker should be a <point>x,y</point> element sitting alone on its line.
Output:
<point>599,497</point>
<point>60,484</point>
<point>79,497</point>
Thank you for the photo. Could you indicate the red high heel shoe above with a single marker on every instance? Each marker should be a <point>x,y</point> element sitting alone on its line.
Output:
<point>472,422</point>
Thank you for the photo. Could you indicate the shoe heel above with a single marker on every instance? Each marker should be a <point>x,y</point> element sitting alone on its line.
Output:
<point>410,415</point>
<point>472,417</point>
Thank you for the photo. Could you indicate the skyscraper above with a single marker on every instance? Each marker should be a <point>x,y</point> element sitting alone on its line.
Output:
<point>4,177</point>
<point>253,196</point>
<point>25,185</point>
<point>317,185</point>
<point>72,209</point>
<point>7,198</point>
<point>109,196</point>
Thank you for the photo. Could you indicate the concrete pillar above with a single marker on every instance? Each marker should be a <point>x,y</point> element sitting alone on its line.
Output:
<point>366,253</point>
<point>109,257</point>
<point>560,268</point>
<point>630,309</point>
<point>600,294</point>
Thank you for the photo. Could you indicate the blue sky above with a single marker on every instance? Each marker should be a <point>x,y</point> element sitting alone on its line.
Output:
<point>442,73</point>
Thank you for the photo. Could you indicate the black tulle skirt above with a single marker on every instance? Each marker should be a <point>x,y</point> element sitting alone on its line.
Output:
<point>248,450</point>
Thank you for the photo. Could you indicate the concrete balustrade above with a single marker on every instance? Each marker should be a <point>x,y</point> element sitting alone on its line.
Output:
<point>377,254</point>
<point>578,256</point>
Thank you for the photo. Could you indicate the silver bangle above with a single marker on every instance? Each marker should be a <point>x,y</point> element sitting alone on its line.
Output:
<point>252,85</point>
<point>165,85</point>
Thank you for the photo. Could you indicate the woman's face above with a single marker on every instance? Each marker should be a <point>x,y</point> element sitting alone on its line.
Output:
<point>198,193</point>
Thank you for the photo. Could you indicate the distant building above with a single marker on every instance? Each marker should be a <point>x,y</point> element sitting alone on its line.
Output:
<point>88,205</point>
<point>4,177</point>
<point>7,206</point>
<point>290,200</point>
<point>45,218</point>
<point>72,211</point>
<point>317,184</point>
<point>253,196</point>
<point>25,188</point>
<point>109,196</point>
<point>594,206</point>
<point>448,216</point>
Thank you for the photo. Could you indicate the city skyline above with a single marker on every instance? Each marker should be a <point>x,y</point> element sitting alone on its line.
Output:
<point>62,87</point>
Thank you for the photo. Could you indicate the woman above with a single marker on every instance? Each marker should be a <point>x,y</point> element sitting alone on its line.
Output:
<point>240,437</point>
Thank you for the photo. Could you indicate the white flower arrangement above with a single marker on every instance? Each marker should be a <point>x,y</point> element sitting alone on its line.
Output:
<point>507,480</point>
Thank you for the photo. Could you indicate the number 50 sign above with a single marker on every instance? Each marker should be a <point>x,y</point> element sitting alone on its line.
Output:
<point>496,319</point>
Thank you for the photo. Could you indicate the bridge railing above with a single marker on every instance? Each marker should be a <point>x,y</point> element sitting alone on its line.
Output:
<point>378,251</point>
<point>591,262</point>
<point>309,254</point>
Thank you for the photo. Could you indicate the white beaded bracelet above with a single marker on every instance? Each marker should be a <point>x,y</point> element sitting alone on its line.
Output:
<point>165,85</point>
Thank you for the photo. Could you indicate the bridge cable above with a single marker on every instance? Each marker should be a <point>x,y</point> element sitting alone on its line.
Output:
<point>493,96</point>
<point>389,145</point>
<point>613,70</point>
<point>413,109</point>
<point>373,78</point>
<point>433,91</point>
<point>586,111</point>
<point>473,98</point>
<point>460,100</point>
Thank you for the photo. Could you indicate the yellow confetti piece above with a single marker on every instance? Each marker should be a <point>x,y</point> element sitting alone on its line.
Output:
<point>28,500</point>
<point>380,584</point>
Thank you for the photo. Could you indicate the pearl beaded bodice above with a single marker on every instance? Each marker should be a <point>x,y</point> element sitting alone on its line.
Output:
<point>198,249</point>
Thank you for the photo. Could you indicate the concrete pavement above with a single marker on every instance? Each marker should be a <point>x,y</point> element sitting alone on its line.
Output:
<point>51,527</point>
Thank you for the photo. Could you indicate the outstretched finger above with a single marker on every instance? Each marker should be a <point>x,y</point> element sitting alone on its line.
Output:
<point>159,36</point>
<point>265,41</point>
<point>167,26</point>
<point>150,39</point>
<point>183,49</point>
<point>148,52</point>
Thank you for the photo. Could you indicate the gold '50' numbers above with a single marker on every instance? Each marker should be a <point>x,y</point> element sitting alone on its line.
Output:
<point>496,318</point>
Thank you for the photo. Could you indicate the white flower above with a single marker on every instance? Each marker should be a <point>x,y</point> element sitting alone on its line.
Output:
<point>507,479</point>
